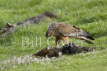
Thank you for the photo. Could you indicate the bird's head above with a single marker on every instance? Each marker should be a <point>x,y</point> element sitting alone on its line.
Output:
<point>49,33</point>
<point>51,30</point>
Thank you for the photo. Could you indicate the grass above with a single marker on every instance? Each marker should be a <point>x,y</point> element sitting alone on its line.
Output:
<point>91,15</point>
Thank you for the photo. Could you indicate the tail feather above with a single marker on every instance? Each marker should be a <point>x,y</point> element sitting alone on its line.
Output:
<point>88,41</point>
<point>88,35</point>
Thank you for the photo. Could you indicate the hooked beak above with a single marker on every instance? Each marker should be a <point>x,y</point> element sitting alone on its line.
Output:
<point>46,34</point>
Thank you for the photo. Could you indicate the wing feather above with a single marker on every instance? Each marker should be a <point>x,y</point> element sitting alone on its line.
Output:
<point>69,30</point>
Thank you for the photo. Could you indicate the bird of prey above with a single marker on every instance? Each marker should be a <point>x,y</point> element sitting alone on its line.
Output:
<point>62,31</point>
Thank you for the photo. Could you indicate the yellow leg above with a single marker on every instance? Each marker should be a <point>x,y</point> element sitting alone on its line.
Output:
<point>58,43</point>
<point>66,40</point>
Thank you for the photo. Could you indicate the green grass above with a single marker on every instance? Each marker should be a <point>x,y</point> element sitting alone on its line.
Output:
<point>91,15</point>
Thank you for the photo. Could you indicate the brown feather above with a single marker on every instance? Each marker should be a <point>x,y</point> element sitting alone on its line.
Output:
<point>61,29</point>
